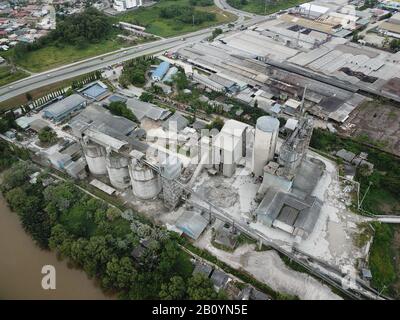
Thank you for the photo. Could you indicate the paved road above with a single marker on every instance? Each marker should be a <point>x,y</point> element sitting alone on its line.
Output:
<point>89,65</point>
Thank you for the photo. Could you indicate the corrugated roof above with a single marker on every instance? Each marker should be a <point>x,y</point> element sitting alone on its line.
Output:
<point>62,106</point>
<point>144,109</point>
<point>161,70</point>
<point>175,121</point>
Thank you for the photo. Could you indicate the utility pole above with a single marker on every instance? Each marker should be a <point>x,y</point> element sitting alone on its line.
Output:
<point>365,194</point>
<point>193,20</point>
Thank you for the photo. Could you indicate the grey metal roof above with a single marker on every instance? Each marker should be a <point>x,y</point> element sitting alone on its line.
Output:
<point>301,214</point>
<point>115,98</point>
<point>219,278</point>
<point>202,268</point>
<point>175,121</point>
<point>307,177</point>
<point>192,223</point>
<point>144,109</point>
<point>345,155</point>
<point>64,105</point>
<point>103,121</point>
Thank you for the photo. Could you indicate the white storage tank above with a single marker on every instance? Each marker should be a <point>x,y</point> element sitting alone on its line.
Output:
<point>266,136</point>
<point>118,171</point>
<point>146,183</point>
<point>95,156</point>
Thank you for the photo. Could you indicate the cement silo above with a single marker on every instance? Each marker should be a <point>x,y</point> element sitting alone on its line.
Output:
<point>95,156</point>
<point>117,168</point>
<point>266,136</point>
<point>146,183</point>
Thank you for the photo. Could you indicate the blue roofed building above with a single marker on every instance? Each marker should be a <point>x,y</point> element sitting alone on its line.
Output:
<point>63,108</point>
<point>97,91</point>
<point>169,75</point>
<point>160,71</point>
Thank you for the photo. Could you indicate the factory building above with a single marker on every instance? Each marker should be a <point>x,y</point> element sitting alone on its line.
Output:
<point>229,146</point>
<point>63,108</point>
<point>266,136</point>
<point>289,213</point>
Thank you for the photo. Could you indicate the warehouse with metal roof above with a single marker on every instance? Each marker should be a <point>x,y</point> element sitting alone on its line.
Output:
<point>63,108</point>
<point>160,71</point>
<point>289,213</point>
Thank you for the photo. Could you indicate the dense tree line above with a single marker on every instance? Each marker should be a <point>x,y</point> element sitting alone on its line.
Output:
<point>80,29</point>
<point>186,14</point>
<point>94,237</point>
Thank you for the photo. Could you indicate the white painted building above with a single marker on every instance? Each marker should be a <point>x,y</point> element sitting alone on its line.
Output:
<point>123,5</point>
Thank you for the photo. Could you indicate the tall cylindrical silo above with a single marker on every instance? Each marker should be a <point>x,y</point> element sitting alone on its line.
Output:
<point>266,136</point>
<point>146,183</point>
<point>118,172</point>
<point>95,156</point>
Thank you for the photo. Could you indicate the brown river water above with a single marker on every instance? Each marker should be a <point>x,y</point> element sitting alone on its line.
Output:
<point>21,262</point>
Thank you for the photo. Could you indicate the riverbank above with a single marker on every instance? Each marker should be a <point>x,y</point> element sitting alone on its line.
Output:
<point>21,263</point>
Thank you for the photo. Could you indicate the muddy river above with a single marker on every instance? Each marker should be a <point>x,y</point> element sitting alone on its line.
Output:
<point>21,262</point>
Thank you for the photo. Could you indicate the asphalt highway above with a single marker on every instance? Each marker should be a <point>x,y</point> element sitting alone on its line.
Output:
<point>99,62</point>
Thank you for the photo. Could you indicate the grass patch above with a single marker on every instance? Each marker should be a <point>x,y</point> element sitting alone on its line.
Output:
<point>259,7</point>
<point>382,197</point>
<point>381,260</point>
<point>52,56</point>
<point>150,18</point>
<point>7,75</point>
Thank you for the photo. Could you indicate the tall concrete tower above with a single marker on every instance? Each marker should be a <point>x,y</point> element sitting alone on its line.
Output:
<point>265,138</point>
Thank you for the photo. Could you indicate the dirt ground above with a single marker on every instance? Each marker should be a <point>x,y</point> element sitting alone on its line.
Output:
<point>380,122</point>
<point>268,267</point>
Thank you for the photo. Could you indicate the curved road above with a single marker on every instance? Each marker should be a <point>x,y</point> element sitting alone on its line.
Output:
<point>95,63</point>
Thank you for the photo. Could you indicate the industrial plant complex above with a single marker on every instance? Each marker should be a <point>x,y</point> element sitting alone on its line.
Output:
<point>270,84</point>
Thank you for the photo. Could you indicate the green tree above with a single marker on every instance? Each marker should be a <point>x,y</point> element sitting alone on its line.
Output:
<point>17,175</point>
<point>174,290</point>
<point>217,123</point>
<point>200,288</point>
<point>47,136</point>
<point>119,274</point>
<point>180,80</point>
<point>119,108</point>
<point>146,97</point>
<point>60,198</point>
